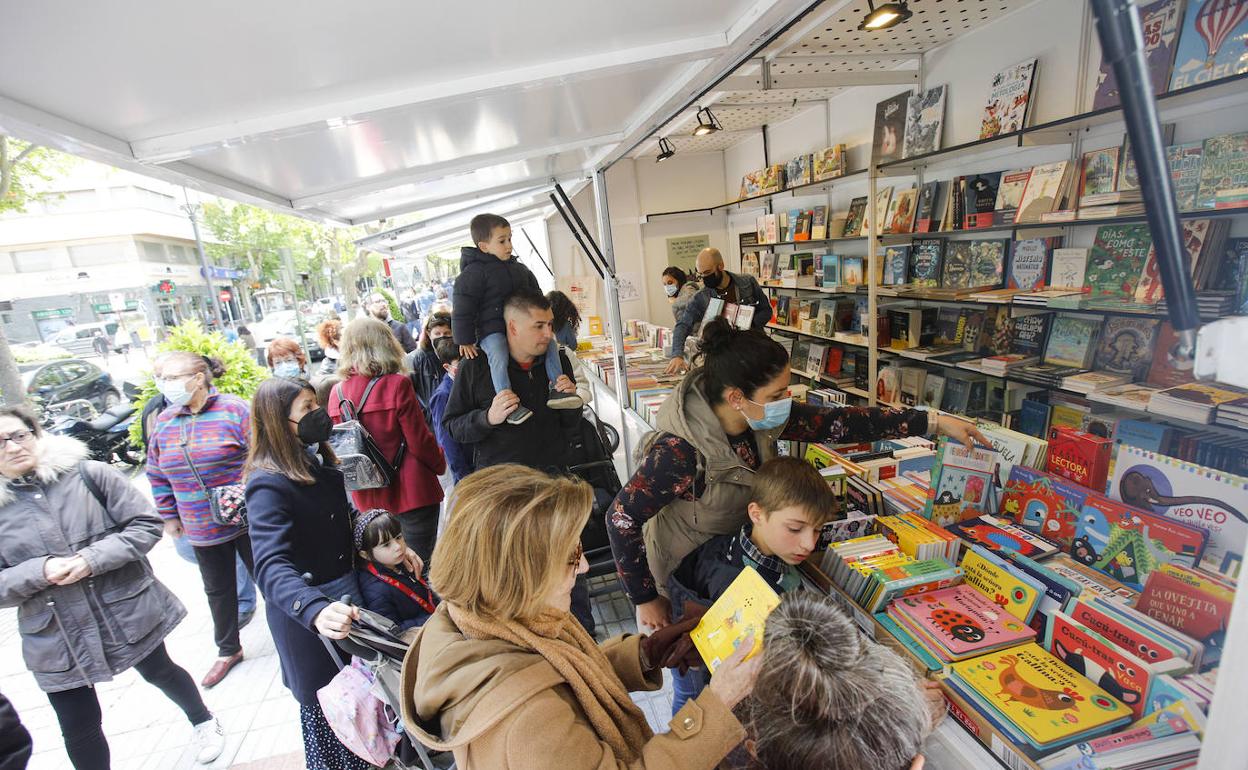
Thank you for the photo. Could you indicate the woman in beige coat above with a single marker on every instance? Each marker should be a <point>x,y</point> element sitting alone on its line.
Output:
<point>506,678</point>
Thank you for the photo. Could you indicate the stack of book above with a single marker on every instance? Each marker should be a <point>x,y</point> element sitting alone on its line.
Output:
<point>1194,401</point>
<point>957,623</point>
<point>873,571</point>
<point>1171,743</point>
<point>918,537</point>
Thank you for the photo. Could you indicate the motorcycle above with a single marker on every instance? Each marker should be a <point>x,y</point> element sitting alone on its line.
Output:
<point>106,435</point>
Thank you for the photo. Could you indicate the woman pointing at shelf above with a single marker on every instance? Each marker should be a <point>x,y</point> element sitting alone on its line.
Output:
<point>719,425</point>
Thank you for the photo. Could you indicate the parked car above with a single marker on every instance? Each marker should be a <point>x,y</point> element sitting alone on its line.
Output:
<point>70,380</point>
<point>79,339</point>
<point>281,323</point>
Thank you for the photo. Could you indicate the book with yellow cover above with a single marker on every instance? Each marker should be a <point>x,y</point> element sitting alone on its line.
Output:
<point>1003,587</point>
<point>1041,698</point>
<point>740,611</point>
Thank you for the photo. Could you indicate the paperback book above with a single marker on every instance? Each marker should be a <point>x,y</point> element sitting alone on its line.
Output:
<point>1072,340</point>
<point>980,200</point>
<point>1029,259</point>
<point>896,265</point>
<point>926,262</point>
<point>1043,191</point>
<point>1126,346</point>
<point>1009,97</point>
<point>1069,266</point>
<point>1010,195</point>
<point>856,217</point>
<point>1116,261</point>
<point>1099,172</point>
<point>927,217</point>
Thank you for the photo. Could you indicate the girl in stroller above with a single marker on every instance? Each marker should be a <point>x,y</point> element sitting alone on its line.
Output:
<point>386,585</point>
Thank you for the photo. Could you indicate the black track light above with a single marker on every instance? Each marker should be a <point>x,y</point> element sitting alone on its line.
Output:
<point>887,15</point>
<point>666,150</point>
<point>707,123</point>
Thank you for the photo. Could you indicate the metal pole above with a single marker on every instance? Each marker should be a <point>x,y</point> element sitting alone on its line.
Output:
<point>614,317</point>
<point>192,211</point>
<point>288,267</point>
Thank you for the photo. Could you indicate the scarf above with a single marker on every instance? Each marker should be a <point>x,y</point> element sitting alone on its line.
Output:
<point>559,638</point>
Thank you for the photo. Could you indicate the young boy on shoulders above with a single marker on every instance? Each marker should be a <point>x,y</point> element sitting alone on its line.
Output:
<point>788,507</point>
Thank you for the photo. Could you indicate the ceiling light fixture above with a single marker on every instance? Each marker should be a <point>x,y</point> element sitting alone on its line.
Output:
<point>707,123</point>
<point>666,150</point>
<point>887,15</point>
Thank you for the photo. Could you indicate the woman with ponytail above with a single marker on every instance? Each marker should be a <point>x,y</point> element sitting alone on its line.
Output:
<point>720,424</point>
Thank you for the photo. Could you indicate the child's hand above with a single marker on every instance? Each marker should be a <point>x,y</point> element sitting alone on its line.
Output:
<point>504,403</point>
<point>468,351</point>
<point>413,562</point>
<point>565,384</point>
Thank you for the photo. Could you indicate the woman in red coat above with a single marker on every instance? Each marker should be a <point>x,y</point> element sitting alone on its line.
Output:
<point>393,417</point>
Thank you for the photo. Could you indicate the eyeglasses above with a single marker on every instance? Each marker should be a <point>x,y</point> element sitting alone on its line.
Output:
<point>18,437</point>
<point>577,555</point>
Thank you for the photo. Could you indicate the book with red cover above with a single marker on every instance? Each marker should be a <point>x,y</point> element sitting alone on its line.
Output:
<point>998,534</point>
<point>1080,456</point>
<point>1129,544</point>
<point>1191,601</point>
<point>1109,667</point>
<point>959,622</point>
<point>1128,629</point>
<point>1043,503</point>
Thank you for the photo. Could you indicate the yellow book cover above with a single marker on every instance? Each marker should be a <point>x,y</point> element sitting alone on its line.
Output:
<point>595,325</point>
<point>1184,710</point>
<point>740,611</point>
<point>818,455</point>
<point>998,584</point>
<point>1039,694</point>
<point>1198,581</point>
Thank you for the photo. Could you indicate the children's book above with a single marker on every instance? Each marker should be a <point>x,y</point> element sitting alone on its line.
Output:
<point>1224,168</point>
<point>1072,340</point>
<point>883,197</point>
<point>900,218</point>
<point>961,483</point>
<point>1080,456</point>
<point>1098,173</point>
<point>997,535</point>
<point>896,265</point>
<point>856,217</point>
<point>830,163</point>
<point>990,576</point>
<point>1126,346</point>
<point>1128,543</point>
<point>888,143</point>
<point>741,611</point>
<point>1185,162</point>
<point>1165,649</point>
<point>1190,601</point>
<point>852,271</point>
<point>988,262</point>
<point>926,257</point>
<point>1116,261</point>
<point>959,622</point>
<point>1214,501</point>
<point>1160,23</point>
<point>1069,267</point>
<point>1043,698</point>
<point>1114,670</point>
<point>1043,503</point>
<point>925,117</point>
<point>1043,191</point>
<point>1009,96</point>
<point>1010,195</point>
<point>1029,261</point>
<point>1210,42</point>
<point>800,170</point>
<point>956,272</point>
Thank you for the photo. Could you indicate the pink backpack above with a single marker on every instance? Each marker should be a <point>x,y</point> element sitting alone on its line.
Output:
<point>359,719</point>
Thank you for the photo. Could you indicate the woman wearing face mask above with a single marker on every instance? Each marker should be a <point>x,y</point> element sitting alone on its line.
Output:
<point>286,358</point>
<point>200,442</point>
<point>680,288</point>
<point>301,533</point>
<point>721,423</point>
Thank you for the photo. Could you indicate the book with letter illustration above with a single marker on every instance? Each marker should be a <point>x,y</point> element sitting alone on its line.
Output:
<point>1214,501</point>
<point>1190,601</point>
<point>1117,259</point>
<point>1114,670</point>
<point>1129,543</point>
<point>1043,503</point>
<point>1040,701</point>
<point>988,574</point>
<point>1029,260</point>
<point>1072,340</point>
<point>962,483</point>
<point>927,256</point>
<point>1126,346</point>
<point>925,117</point>
<point>1224,169</point>
<point>958,622</point>
<point>888,142</point>
<point>741,611</point>
<point>998,535</point>
<point>1009,96</point>
<point>1159,21</point>
<point>1208,39</point>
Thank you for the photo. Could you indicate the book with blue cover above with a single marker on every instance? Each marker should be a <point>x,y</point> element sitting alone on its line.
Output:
<point>1210,42</point>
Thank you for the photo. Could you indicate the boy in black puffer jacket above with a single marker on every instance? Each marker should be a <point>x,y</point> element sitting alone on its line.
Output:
<point>488,275</point>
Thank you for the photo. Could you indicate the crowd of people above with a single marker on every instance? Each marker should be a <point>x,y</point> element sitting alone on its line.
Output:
<point>471,546</point>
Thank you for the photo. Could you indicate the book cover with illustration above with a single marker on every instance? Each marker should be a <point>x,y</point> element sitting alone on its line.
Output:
<point>1043,503</point>
<point>1160,23</point>
<point>1195,233</point>
<point>959,622</point>
<point>988,262</point>
<point>1192,602</point>
<point>1212,500</point>
<point>1042,697</point>
<point>961,483</point>
<point>1072,340</point>
<point>1098,174</point>
<point>888,142</point>
<point>883,197</point>
<point>856,217</point>
<point>998,535</point>
<point>1109,667</point>
<point>1116,261</point>
<point>1044,186</point>
<point>896,265</point>
<point>851,271</point>
<point>925,117</point>
<point>1185,164</point>
<point>1224,170</point>
<point>800,171</point>
<point>1068,268</point>
<point>900,218</point>
<point>1210,42</point>
<point>980,200</point>
<point>1130,629</point>
<point>927,256</point>
<point>1080,456</point>
<point>741,611</point>
<point>830,163</point>
<point>1029,261</point>
<point>831,264</point>
<point>1126,346</point>
<point>1010,195</point>
<point>1009,97</point>
<point>1129,543</point>
<point>927,217</point>
<point>1028,334</point>
<point>956,271</point>
<point>989,575</point>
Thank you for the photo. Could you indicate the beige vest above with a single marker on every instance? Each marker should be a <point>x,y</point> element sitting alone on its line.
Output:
<point>683,525</point>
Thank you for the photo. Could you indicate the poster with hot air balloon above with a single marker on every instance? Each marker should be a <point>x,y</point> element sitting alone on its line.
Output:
<point>1159,23</point>
<point>1213,44</point>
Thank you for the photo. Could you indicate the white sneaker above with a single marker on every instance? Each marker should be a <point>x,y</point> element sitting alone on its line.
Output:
<point>209,741</point>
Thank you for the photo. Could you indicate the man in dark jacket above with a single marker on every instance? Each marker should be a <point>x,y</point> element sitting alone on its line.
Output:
<point>718,283</point>
<point>379,307</point>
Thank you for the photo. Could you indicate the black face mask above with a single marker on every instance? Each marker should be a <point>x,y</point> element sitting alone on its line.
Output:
<point>713,279</point>
<point>315,426</point>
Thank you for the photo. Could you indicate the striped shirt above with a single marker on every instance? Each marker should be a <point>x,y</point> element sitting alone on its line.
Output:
<point>216,439</point>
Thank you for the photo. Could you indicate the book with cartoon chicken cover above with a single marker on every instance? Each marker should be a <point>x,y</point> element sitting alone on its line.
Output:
<point>1044,700</point>
<point>739,612</point>
<point>959,622</point>
<point>989,576</point>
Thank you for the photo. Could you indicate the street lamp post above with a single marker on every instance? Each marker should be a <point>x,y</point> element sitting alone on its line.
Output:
<point>192,212</point>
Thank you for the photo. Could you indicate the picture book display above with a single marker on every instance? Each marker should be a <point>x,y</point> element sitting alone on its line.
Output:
<point>1129,543</point>
<point>958,622</point>
<point>740,612</point>
<point>961,483</point>
<point>925,117</point>
<point>1213,501</point>
<point>888,142</point>
<point>1009,97</point>
<point>1210,42</point>
<point>1041,700</point>
<point>1114,670</point>
<point>1126,346</point>
<point>1116,261</point>
<point>1043,503</point>
<point>1160,23</point>
<point>1029,259</point>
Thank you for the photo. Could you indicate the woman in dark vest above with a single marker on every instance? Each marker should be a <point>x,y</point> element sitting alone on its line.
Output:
<point>719,425</point>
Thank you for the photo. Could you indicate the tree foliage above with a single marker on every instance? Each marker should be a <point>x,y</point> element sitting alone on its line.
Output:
<point>242,374</point>
<point>22,166</point>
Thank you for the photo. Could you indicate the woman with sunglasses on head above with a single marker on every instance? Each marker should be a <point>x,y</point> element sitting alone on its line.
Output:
<point>503,674</point>
<point>198,443</point>
<point>74,537</point>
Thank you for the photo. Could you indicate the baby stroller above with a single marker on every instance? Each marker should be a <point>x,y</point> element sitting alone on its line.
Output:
<point>374,641</point>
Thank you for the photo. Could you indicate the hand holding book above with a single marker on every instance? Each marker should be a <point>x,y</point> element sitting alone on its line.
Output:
<point>940,424</point>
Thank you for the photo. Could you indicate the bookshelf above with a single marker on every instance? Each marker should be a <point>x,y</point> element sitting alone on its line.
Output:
<point>810,188</point>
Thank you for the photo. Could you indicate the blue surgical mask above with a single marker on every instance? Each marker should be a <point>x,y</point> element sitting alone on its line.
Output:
<point>670,289</point>
<point>175,391</point>
<point>775,414</point>
<point>287,369</point>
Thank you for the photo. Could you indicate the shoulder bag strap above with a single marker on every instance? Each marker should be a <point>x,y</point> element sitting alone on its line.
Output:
<point>364,398</point>
<point>186,452</point>
<point>96,492</point>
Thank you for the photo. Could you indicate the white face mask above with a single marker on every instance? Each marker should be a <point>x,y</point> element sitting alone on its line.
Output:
<point>670,289</point>
<point>287,369</point>
<point>175,391</point>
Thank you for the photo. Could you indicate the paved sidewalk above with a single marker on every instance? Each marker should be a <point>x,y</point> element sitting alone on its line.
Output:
<point>147,732</point>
